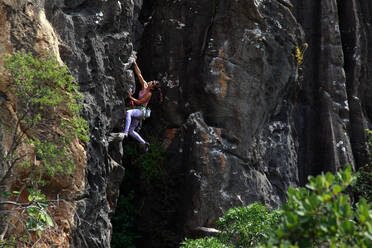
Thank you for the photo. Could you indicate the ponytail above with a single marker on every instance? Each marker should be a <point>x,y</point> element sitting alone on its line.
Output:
<point>160,95</point>
<point>158,88</point>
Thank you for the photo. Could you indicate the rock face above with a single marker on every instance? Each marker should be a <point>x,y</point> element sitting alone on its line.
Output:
<point>333,107</point>
<point>96,44</point>
<point>247,121</point>
<point>229,75</point>
<point>241,120</point>
<point>93,38</point>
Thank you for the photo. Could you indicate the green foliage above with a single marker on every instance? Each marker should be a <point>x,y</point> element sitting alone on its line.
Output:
<point>42,81</point>
<point>241,227</point>
<point>247,226</point>
<point>32,215</point>
<point>149,163</point>
<point>50,155</point>
<point>48,101</point>
<point>123,223</point>
<point>204,242</point>
<point>363,186</point>
<point>320,215</point>
<point>369,143</point>
<point>8,243</point>
<point>38,218</point>
<point>48,120</point>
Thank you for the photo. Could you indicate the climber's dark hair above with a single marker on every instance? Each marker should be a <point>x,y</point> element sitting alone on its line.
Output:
<point>157,87</point>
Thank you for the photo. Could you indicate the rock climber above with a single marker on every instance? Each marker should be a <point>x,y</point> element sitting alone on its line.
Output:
<point>140,112</point>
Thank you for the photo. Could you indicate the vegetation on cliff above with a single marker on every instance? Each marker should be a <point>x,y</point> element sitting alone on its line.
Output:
<point>47,122</point>
<point>363,185</point>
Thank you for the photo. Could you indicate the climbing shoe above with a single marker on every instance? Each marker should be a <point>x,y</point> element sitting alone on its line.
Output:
<point>146,147</point>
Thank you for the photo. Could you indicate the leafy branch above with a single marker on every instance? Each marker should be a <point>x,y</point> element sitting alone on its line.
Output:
<point>47,122</point>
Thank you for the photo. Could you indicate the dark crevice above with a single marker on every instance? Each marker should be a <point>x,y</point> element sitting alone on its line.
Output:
<point>142,16</point>
<point>80,7</point>
<point>150,203</point>
<point>307,119</point>
<point>146,11</point>
<point>147,214</point>
<point>349,27</point>
<point>365,92</point>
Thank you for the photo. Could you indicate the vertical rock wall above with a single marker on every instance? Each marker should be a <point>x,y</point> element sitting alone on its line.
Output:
<point>95,43</point>
<point>93,38</point>
<point>237,119</point>
<point>322,108</point>
<point>229,75</point>
<point>244,122</point>
<point>334,104</point>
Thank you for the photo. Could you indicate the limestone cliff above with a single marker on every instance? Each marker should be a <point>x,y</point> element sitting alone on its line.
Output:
<point>333,107</point>
<point>246,120</point>
<point>241,119</point>
<point>82,35</point>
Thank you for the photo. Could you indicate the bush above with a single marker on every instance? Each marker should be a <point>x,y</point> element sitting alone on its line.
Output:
<point>144,174</point>
<point>48,101</point>
<point>204,242</point>
<point>48,120</point>
<point>363,186</point>
<point>247,226</point>
<point>240,227</point>
<point>321,216</point>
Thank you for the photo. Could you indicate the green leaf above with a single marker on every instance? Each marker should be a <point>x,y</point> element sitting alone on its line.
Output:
<point>49,220</point>
<point>329,177</point>
<point>348,227</point>
<point>42,216</point>
<point>336,189</point>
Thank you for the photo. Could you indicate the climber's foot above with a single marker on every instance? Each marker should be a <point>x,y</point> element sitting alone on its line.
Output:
<point>146,147</point>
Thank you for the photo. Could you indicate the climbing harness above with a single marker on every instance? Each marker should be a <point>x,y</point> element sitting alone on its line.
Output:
<point>146,112</point>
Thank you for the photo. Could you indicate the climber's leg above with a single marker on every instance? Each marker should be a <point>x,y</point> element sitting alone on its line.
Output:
<point>131,124</point>
<point>133,133</point>
<point>132,113</point>
<point>136,135</point>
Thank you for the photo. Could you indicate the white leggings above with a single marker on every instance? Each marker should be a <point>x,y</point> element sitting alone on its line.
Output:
<point>133,117</point>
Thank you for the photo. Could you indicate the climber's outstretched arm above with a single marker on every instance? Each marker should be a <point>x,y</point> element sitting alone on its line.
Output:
<point>139,74</point>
